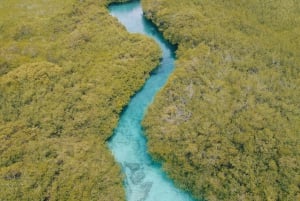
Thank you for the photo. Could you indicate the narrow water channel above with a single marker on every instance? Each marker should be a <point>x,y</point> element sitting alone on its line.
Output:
<point>145,180</point>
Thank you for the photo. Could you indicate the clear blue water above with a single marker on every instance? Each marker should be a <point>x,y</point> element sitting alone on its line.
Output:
<point>144,179</point>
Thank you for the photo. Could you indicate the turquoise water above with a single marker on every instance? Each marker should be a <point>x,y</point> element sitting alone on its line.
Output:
<point>144,179</point>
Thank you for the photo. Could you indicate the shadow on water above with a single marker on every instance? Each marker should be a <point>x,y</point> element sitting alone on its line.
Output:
<point>150,27</point>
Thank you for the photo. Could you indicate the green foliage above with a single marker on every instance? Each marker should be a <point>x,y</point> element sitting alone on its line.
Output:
<point>226,125</point>
<point>66,71</point>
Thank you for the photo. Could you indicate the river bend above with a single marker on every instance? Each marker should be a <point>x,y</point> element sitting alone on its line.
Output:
<point>145,180</point>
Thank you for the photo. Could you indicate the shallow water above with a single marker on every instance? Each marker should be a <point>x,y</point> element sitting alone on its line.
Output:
<point>144,179</point>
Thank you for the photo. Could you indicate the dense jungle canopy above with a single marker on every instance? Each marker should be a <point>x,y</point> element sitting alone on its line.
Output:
<point>67,68</point>
<point>226,126</point>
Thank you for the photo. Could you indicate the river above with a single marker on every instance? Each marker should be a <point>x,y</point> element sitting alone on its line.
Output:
<point>144,178</point>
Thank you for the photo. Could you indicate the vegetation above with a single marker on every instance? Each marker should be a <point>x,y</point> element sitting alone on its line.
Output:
<point>67,68</point>
<point>226,126</point>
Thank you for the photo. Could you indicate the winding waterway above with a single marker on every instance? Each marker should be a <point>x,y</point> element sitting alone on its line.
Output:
<point>145,180</point>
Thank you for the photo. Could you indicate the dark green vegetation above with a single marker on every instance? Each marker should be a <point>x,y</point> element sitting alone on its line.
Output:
<point>227,124</point>
<point>67,69</point>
